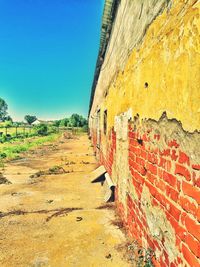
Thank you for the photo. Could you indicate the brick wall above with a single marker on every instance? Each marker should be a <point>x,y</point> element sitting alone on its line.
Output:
<point>173,182</point>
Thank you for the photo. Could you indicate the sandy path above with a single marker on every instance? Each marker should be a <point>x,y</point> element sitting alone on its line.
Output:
<point>53,220</point>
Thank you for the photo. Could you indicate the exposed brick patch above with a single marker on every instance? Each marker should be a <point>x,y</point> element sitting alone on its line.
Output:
<point>174,185</point>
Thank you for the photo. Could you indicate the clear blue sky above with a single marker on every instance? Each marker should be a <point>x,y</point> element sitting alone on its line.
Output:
<point>48,52</point>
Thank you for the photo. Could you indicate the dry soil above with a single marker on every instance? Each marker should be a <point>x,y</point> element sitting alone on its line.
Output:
<point>51,217</point>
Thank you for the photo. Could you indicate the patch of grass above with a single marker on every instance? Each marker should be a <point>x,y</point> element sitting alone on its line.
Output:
<point>13,150</point>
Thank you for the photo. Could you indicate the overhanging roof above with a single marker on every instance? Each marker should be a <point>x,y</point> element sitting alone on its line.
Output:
<point>109,13</point>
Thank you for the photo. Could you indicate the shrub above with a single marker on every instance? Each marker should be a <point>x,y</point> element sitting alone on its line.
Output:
<point>85,128</point>
<point>52,129</point>
<point>42,129</point>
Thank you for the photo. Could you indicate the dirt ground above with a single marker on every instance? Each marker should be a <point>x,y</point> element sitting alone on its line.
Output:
<point>50,216</point>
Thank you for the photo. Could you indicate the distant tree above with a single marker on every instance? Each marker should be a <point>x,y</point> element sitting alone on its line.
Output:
<point>77,120</point>
<point>64,122</point>
<point>3,109</point>
<point>8,118</point>
<point>57,123</point>
<point>30,119</point>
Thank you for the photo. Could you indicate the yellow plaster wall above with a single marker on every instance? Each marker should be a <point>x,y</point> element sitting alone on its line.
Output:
<point>169,61</point>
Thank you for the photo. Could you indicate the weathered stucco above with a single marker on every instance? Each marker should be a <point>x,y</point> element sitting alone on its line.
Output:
<point>162,71</point>
<point>120,169</point>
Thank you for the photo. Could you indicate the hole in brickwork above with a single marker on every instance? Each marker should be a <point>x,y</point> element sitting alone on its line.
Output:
<point>146,85</point>
<point>140,141</point>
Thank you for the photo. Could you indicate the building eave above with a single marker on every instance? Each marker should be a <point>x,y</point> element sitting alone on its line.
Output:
<point>109,14</point>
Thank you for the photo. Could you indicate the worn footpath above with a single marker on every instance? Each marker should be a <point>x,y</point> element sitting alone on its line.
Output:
<point>52,215</point>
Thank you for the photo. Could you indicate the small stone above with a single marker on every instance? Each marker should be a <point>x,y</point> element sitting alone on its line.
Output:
<point>108,256</point>
<point>78,219</point>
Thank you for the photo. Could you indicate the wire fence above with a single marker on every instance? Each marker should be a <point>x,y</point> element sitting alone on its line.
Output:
<point>26,131</point>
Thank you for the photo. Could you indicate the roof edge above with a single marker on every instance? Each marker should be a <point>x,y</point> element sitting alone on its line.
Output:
<point>109,14</point>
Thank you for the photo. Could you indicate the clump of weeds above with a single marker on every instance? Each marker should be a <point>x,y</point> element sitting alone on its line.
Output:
<point>4,180</point>
<point>56,170</point>
<point>137,255</point>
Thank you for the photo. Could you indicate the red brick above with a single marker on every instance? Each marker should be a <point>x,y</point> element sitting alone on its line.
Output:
<point>161,198</point>
<point>192,227</point>
<point>198,214</point>
<point>181,170</point>
<point>168,165</point>
<point>152,189</point>
<point>152,158</point>
<point>155,263</point>
<point>193,244</point>
<point>139,168</point>
<point>179,230</point>
<point>175,212</point>
<point>131,134</point>
<point>145,138</point>
<point>173,143</point>
<point>161,185</point>
<point>173,194</point>
<point>131,161</point>
<point>151,177</point>
<point>152,168</point>
<point>190,257</point>
<point>139,178</point>
<point>155,150</point>
<point>173,155</point>
<point>133,142</point>
<point>135,183</point>
<point>191,191</point>
<point>166,256</point>
<point>130,127</point>
<point>133,149</point>
<point>187,205</point>
<point>197,182</point>
<point>157,136</point>
<point>160,173</point>
<point>165,152</point>
<point>140,161</point>
<point>162,163</point>
<point>143,154</point>
<point>170,179</point>
<point>183,158</point>
<point>196,167</point>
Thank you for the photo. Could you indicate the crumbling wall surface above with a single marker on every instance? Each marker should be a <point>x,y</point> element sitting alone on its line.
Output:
<point>162,69</point>
<point>164,163</point>
<point>151,144</point>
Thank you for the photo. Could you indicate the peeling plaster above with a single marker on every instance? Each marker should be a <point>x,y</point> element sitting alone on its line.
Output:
<point>170,129</point>
<point>159,227</point>
<point>120,169</point>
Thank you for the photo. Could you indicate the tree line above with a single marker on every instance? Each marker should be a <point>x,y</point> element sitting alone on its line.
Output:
<point>75,120</point>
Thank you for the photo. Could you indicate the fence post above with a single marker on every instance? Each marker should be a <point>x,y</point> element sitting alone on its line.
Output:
<point>16,130</point>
